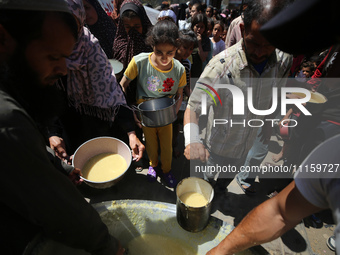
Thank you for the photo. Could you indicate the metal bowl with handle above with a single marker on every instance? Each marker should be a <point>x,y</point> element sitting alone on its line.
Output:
<point>157,112</point>
<point>97,146</point>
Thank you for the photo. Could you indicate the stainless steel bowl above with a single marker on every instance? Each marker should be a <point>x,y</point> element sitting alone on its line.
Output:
<point>97,146</point>
<point>157,112</point>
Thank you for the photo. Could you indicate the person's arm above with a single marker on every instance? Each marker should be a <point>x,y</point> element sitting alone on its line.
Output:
<point>268,221</point>
<point>194,149</point>
<point>54,130</point>
<point>179,97</point>
<point>130,74</point>
<point>125,119</point>
<point>203,54</point>
<point>124,83</point>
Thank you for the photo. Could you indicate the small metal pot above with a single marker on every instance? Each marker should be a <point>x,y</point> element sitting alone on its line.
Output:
<point>193,219</point>
<point>157,112</point>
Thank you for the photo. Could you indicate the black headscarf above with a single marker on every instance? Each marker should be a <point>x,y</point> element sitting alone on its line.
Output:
<point>104,29</point>
<point>128,45</point>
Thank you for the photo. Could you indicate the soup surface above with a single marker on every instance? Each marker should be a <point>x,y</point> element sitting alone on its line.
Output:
<point>193,199</point>
<point>104,167</point>
<point>150,244</point>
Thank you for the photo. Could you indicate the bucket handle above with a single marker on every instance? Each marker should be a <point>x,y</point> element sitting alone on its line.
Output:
<point>135,108</point>
<point>176,100</point>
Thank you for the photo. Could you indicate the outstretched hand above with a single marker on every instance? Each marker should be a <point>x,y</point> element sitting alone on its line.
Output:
<point>136,146</point>
<point>58,145</point>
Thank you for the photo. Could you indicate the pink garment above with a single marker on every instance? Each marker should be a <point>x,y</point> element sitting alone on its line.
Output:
<point>234,32</point>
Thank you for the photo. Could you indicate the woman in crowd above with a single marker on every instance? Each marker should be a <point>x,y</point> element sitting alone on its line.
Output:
<point>100,25</point>
<point>133,26</point>
<point>93,96</point>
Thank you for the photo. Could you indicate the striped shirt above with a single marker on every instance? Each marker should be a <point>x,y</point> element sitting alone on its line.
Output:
<point>235,137</point>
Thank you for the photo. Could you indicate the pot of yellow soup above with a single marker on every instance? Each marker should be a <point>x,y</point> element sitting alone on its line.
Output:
<point>193,206</point>
<point>145,228</point>
<point>103,161</point>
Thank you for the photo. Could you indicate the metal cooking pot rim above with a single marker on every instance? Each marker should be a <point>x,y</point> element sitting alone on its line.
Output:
<point>103,182</point>
<point>173,103</point>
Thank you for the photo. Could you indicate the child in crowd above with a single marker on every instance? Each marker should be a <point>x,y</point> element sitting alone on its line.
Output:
<point>209,11</point>
<point>196,9</point>
<point>224,33</point>
<point>210,27</point>
<point>199,26</point>
<point>158,74</point>
<point>218,43</point>
<point>307,69</point>
<point>188,42</point>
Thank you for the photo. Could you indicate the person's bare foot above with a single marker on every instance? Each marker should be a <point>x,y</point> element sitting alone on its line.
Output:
<point>277,157</point>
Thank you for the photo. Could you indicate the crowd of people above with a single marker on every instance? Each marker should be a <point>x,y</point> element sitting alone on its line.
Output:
<point>58,90</point>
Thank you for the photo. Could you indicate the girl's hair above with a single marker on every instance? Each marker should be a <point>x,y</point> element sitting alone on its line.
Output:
<point>164,31</point>
<point>188,36</point>
<point>211,22</point>
<point>199,18</point>
<point>221,23</point>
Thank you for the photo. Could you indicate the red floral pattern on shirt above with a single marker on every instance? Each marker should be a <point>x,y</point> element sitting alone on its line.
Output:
<point>168,84</point>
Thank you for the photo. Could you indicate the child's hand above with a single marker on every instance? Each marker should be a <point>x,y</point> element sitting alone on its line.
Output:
<point>199,37</point>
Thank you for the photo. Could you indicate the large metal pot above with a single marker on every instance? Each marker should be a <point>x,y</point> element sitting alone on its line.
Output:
<point>128,219</point>
<point>157,112</point>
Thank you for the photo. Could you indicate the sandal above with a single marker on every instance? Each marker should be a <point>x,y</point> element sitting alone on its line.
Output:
<point>250,190</point>
<point>170,180</point>
<point>138,169</point>
<point>151,175</point>
<point>331,243</point>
